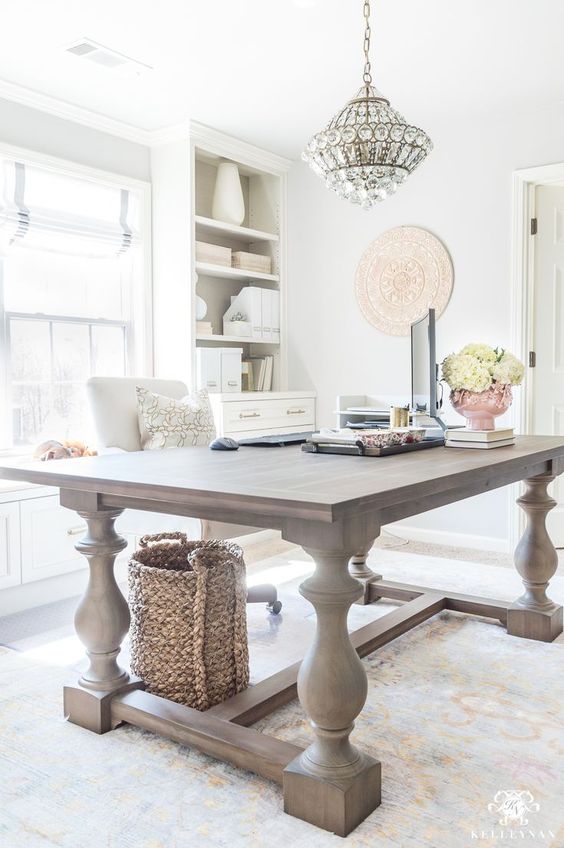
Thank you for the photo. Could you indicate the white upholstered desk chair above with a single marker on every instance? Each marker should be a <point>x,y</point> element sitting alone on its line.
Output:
<point>113,403</point>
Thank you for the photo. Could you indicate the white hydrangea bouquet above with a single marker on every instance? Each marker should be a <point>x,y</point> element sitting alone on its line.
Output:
<point>480,378</point>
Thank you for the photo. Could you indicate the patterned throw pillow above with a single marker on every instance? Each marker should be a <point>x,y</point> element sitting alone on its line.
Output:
<point>168,423</point>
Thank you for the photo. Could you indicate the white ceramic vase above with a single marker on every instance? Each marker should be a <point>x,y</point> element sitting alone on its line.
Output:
<point>228,202</point>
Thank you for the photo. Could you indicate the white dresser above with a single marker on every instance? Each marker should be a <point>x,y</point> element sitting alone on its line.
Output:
<point>245,414</point>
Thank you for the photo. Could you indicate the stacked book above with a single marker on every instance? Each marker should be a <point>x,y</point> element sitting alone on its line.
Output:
<point>204,328</point>
<point>480,439</point>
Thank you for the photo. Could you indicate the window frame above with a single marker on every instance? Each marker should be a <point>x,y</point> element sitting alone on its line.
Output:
<point>139,328</point>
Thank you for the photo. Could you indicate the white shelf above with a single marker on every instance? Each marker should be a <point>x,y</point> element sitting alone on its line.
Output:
<point>209,225</point>
<point>226,273</point>
<point>209,337</point>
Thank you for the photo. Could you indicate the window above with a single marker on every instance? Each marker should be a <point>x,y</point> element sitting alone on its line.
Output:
<point>71,292</point>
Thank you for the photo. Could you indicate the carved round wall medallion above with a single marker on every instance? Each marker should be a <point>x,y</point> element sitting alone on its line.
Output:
<point>403,273</point>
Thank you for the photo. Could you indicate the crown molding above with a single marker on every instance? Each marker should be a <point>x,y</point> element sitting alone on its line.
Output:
<point>212,140</point>
<point>215,141</point>
<point>71,112</point>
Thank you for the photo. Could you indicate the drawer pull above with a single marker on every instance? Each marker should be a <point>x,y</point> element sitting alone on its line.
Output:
<point>76,531</point>
<point>295,412</point>
<point>249,415</point>
<point>232,383</point>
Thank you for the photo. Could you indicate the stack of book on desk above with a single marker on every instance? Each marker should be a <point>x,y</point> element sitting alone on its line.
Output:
<point>480,439</point>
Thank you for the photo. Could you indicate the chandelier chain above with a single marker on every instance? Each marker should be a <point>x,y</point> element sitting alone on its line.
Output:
<point>367,76</point>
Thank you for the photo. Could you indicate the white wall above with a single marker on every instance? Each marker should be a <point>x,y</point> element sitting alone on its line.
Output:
<point>462,194</point>
<point>23,126</point>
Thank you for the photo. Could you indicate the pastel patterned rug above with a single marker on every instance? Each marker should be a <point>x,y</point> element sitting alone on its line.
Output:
<point>460,714</point>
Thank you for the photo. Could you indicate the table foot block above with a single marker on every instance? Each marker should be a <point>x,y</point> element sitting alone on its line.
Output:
<point>336,805</point>
<point>367,596</point>
<point>542,625</point>
<point>91,708</point>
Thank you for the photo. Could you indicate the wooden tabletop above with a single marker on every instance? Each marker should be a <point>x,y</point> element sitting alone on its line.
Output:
<point>290,482</point>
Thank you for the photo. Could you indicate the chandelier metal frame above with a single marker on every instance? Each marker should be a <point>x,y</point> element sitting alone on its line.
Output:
<point>367,149</point>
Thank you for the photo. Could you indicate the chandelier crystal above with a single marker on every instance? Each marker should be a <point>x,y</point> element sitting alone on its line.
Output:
<point>367,149</point>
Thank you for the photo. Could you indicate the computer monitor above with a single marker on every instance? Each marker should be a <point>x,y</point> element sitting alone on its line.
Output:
<point>424,368</point>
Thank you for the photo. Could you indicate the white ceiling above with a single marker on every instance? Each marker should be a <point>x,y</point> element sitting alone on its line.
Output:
<point>273,71</point>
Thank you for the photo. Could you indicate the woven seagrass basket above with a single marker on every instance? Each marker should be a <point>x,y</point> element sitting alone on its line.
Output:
<point>188,619</point>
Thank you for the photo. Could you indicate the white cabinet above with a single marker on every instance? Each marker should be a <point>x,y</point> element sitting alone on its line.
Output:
<point>49,534</point>
<point>263,413</point>
<point>10,563</point>
<point>38,560</point>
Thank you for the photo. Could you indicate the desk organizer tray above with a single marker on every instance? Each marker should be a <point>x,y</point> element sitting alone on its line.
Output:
<point>358,449</point>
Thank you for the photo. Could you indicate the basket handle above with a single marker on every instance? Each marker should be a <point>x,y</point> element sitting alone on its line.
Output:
<point>171,536</point>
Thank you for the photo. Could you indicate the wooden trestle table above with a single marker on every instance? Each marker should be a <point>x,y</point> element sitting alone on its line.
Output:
<point>334,507</point>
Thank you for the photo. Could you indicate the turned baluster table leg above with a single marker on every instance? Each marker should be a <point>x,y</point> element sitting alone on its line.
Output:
<point>534,615</point>
<point>101,622</point>
<point>332,784</point>
<point>359,569</point>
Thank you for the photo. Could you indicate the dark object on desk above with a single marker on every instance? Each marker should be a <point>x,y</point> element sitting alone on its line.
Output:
<point>359,449</point>
<point>224,443</point>
<point>276,441</point>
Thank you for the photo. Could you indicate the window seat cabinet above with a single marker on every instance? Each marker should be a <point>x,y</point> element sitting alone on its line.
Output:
<point>37,539</point>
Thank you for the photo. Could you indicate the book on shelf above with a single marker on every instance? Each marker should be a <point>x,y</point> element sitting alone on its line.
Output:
<point>464,444</point>
<point>247,382</point>
<point>464,435</point>
<point>204,328</point>
<point>262,368</point>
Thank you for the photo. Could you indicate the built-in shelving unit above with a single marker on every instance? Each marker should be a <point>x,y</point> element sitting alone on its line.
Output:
<point>263,182</point>
<point>184,170</point>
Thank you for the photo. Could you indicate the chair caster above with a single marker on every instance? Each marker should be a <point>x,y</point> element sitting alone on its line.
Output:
<point>274,607</point>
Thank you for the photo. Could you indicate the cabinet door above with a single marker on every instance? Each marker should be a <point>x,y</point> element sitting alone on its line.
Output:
<point>49,534</point>
<point>10,561</point>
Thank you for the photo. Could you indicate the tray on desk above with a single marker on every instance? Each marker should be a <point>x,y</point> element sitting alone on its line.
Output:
<point>358,449</point>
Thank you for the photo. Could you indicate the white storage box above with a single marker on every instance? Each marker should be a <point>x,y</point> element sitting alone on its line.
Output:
<point>219,368</point>
<point>213,253</point>
<point>252,262</point>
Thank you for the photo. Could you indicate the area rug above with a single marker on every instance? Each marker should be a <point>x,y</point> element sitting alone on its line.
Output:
<point>466,720</point>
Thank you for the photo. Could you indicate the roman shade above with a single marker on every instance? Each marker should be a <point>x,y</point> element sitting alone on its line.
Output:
<point>44,209</point>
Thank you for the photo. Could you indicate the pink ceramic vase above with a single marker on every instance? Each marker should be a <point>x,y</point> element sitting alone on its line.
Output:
<point>482,408</point>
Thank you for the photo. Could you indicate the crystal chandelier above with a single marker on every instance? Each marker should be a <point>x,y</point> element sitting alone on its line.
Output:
<point>367,149</point>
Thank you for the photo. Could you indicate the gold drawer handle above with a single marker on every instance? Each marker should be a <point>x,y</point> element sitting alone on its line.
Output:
<point>295,412</point>
<point>249,415</point>
<point>76,531</point>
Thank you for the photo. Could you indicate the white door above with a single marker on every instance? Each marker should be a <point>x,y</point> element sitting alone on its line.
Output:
<point>548,332</point>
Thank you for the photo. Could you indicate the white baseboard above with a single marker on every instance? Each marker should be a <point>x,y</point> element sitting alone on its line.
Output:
<point>451,540</point>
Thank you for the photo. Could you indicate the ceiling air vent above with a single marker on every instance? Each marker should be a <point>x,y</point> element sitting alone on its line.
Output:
<point>86,48</point>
